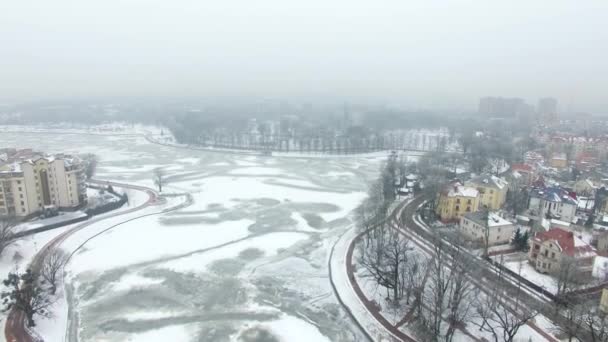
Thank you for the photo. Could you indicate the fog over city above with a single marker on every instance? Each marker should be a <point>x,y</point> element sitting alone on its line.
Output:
<point>420,54</point>
<point>304,171</point>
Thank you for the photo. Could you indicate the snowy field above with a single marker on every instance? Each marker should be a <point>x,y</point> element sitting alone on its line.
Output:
<point>246,261</point>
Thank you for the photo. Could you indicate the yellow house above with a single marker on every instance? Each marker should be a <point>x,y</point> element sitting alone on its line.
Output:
<point>455,200</point>
<point>604,301</point>
<point>559,161</point>
<point>492,190</point>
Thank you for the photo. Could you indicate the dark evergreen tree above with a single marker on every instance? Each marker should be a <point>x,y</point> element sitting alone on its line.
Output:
<point>26,293</point>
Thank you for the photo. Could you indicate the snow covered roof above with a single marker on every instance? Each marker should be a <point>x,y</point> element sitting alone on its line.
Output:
<point>411,177</point>
<point>494,220</point>
<point>488,181</point>
<point>554,194</point>
<point>566,241</point>
<point>14,161</point>
<point>559,156</point>
<point>458,190</point>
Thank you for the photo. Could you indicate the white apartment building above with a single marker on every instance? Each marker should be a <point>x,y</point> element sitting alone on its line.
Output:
<point>32,181</point>
<point>475,226</point>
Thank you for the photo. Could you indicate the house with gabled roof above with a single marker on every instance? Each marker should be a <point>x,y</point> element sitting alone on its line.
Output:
<point>492,190</point>
<point>553,202</point>
<point>455,200</point>
<point>549,249</point>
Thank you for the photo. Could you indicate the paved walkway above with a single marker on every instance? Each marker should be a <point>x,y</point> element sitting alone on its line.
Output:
<point>15,329</point>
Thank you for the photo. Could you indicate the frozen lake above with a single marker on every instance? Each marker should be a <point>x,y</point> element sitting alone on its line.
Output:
<point>247,261</point>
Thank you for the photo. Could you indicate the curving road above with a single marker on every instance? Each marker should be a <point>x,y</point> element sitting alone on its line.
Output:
<point>16,329</point>
<point>403,218</point>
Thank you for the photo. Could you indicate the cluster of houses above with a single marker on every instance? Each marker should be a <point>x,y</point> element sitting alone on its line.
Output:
<point>554,214</point>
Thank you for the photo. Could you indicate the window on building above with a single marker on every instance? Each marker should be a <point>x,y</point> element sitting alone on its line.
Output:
<point>491,191</point>
<point>20,189</point>
<point>18,182</point>
<point>22,210</point>
<point>457,207</point>
<point>468,209</point>
<point>553,255</point>
<point>469,202</point>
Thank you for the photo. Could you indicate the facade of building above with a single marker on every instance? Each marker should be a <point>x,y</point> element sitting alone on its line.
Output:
<point>559,161</point>
<point>554,202</point>
<point>31,181</point>
<point>492,190</point>
<point>475,227</point>
<point>455,200</point>
<point>584,187</point>
<point>501,107</point>
<point>547,110</point>
<point>550,249</point>
<point>604,300</point>
<point>521,175</point>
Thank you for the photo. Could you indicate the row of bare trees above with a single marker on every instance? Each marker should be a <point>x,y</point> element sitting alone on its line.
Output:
<point>438,288</point>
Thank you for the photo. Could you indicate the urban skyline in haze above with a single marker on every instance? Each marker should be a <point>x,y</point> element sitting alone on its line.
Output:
<point>421,54</point>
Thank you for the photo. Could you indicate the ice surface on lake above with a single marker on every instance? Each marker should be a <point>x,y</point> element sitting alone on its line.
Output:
<point>247,261</point>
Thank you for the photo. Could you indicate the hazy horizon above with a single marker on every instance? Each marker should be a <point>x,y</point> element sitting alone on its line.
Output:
<point>420,54</point>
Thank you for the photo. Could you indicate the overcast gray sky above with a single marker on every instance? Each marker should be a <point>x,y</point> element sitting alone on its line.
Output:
<point>417,52</point>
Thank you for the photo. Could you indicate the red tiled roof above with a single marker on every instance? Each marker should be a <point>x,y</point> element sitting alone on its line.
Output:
<point>566,241</point>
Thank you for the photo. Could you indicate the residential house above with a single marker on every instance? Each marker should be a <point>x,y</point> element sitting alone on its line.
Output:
<point>522,175</point>
<point>492,190</point>
<point>455,200</point>
<point>533,158</point>
<point>559,161</point>
<point>476,226</point>
<point>555,202</point>
<point>604,300</point>
<point>550,249</point>
<point>584,187</point>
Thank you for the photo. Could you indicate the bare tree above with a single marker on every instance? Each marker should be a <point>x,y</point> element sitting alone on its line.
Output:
<point>502,312</point>
<point>53,263</point>
<point>385,260</point>
<point>26,293</point>
<point>460,293</point>
<point>447,297</point>
<point>571,326</point>
<point>159,178</point>
<point>7,233</point>
<point>568,276</point>
<point>597,325</point>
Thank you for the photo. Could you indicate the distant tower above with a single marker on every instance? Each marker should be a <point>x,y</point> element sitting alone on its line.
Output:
<point>547,110</point>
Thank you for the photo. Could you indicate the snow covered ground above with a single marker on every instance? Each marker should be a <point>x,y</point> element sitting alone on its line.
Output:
<point>246,261</point>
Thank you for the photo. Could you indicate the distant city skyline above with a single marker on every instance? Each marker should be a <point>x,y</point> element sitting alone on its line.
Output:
<point>421,54</point>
